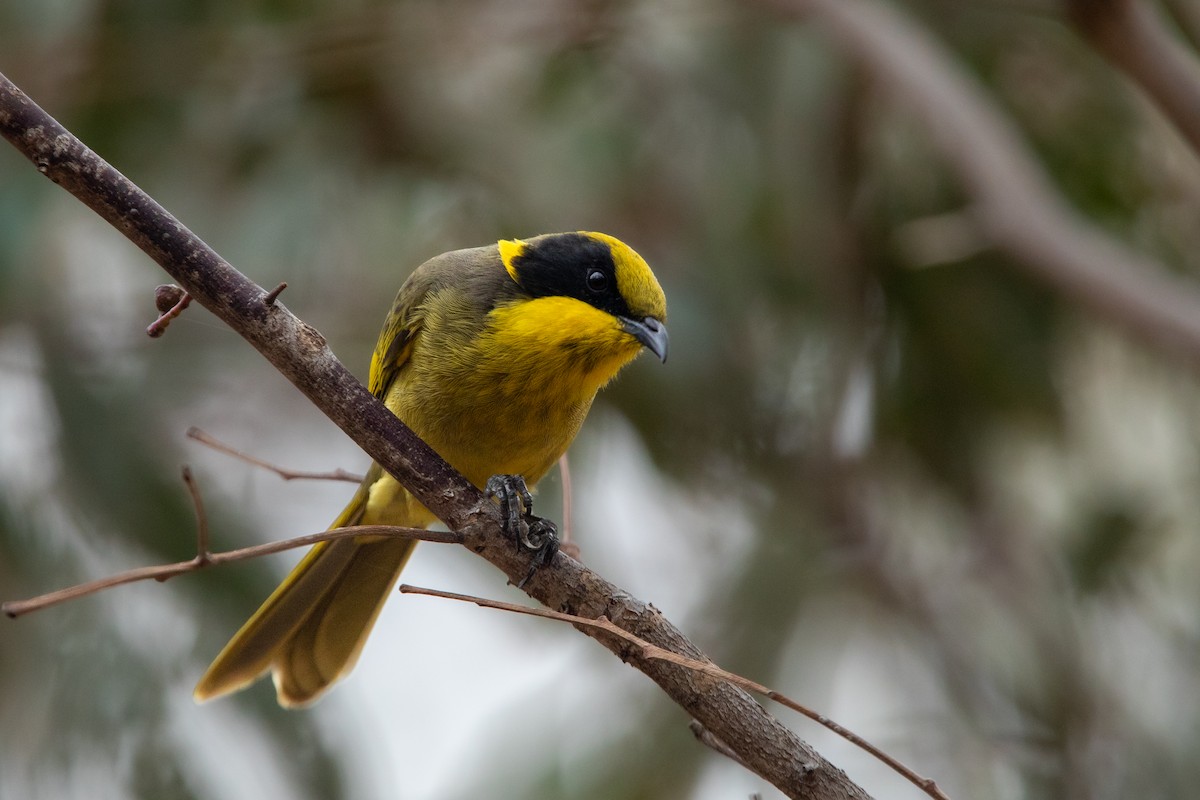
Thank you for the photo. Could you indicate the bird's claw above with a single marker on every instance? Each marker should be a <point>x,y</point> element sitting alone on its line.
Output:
<point>537,535</point>
<point>515,501</point>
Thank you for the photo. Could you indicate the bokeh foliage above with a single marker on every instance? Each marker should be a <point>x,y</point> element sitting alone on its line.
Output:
<point>920,489</point>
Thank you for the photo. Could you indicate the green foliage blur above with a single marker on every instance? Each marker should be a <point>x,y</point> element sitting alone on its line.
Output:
<point>913,489</point>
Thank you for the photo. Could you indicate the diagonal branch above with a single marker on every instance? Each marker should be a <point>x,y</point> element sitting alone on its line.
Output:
<point>299,352</point>
<point>1133,36</point>
<point>1017,207</point>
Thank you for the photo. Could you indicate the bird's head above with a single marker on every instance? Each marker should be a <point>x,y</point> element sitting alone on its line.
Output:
<point>596,269</point>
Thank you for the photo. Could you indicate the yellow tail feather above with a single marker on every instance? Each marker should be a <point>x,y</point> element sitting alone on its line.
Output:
<point>311,629</point>
<point>326,645</point>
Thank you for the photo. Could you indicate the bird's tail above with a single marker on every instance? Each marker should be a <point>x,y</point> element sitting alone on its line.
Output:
<point>311,629</point>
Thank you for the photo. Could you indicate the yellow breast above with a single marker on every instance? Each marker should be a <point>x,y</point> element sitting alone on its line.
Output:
<point>509,398</point>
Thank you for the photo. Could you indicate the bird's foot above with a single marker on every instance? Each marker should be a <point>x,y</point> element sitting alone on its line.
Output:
<point>535,534</point>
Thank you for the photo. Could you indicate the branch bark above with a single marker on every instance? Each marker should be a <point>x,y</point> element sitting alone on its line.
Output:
<point>1016,206</point>
<point>299,352</point>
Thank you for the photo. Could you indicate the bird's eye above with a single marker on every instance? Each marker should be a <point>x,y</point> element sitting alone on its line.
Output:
<point>597,281</point>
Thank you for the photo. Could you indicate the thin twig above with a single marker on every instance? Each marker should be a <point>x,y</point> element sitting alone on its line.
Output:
<point>162,572</point>
<point>927,785</point>
<point>287,474</point>
<point>713,742</point>
<point>159,326</point>
<point>566,543</point>
<point>202,551</point>
<point>270,297</point>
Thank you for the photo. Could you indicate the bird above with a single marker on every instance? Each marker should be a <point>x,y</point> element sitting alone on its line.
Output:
<point>493,356</point>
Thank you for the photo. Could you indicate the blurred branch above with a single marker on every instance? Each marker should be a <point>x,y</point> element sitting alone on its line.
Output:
<point>1017,207</point>
<point>704,666</point>
<point>300,353</point>
<point>1133,36</point>
<point>162,572</point>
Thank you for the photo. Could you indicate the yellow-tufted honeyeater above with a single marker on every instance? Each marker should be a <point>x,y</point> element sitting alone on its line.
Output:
<point>492,355</point>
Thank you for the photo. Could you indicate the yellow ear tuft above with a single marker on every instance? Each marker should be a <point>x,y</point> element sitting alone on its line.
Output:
<point>510,250</point>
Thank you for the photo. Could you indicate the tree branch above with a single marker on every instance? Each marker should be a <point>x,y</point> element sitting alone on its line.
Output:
<point>1016,206</point>
<point>299,352</point>
<point>1132,35</point>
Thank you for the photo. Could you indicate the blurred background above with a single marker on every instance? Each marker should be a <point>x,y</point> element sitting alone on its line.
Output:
<point>882,472</point>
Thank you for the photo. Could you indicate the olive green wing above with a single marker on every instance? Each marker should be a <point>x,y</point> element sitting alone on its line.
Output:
<point>399,332</point>
<point>471,282</point>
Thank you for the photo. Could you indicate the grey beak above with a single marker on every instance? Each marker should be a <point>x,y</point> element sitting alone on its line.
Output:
<point>651,333</point>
